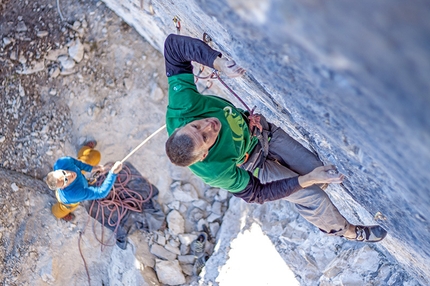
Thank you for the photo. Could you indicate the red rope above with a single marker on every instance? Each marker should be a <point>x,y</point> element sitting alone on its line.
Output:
<point>119,202</point>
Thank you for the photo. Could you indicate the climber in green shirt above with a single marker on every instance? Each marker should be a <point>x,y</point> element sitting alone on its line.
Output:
<point>212,137</point>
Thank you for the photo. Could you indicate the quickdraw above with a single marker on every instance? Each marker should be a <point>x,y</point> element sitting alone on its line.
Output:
<point>150,7</point>
<point>177,22</point>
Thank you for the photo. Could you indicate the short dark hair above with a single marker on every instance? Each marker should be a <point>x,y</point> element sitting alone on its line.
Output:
<point>180,149</point>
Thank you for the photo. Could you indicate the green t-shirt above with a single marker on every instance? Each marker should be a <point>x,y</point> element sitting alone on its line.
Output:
<point>219,168</point>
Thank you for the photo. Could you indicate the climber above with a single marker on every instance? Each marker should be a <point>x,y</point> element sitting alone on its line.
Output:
<point>214,139</point>
<point>70,184</point>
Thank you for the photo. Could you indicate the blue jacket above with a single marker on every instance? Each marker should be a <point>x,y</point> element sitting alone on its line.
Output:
<point>79,190</point>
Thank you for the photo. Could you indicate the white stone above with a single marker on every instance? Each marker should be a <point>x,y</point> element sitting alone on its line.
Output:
<point>186,259</point>
<point>174,242</point>
<point>161,252</point>
<point>157,94</point>
<point>214,227</point>
<point>212,217</point>
<point>53,55</point>
<point>76,25</point>
<point>13,55</point>
<point>7,41</point>
<point>21,27</point>
<point>175,222</point>
<point>200,224</point>
<point>22,59</point>
<point>128,83</point>
<point>201,204</point>
<point>54,72</point>
<point>172,249</point>
<point>222,195</point>
<point>187,269</point>
<point>42,34</point>
<point>14,187</point>
<point>175,205</point>
<point>216,207</point>
<point>185,193</point>
<point>169,272</point>
<point>187,238</point>
<point>161,240</point>
<point>66,62</point>
<point>36,66</point>
<point>195,214</point>
<point>76,51</point>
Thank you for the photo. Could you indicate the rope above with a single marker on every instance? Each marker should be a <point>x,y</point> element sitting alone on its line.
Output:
<point>216,75</point>
<point>83,259</point>
<point>59,11</point>
<point>254,119</point>
<point>143,143</point>
<point>119,202</point>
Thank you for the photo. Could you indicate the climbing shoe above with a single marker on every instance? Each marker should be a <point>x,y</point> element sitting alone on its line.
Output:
<point>91,143</point>
<point>198,245</point>
<point>68,217</point>
<point>199,264</point>
<point>370,233</point>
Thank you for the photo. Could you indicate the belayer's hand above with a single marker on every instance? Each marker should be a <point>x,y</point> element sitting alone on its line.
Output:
<point>321,175</point>
<point>117,167</point>
<point>228,67</point>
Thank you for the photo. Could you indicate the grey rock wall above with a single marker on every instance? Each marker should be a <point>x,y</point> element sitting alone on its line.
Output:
<point>348,79</point>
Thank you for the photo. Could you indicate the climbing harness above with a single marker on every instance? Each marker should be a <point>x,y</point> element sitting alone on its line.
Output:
<point>255,120</point>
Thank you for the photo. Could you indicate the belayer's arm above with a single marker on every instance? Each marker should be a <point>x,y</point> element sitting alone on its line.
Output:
<point>179,51</point>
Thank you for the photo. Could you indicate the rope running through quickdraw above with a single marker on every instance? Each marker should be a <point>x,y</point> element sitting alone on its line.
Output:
<point>254,119</point>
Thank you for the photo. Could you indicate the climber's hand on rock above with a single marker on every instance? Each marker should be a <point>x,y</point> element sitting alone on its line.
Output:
<point>228,67</point>
<point>321,175</point>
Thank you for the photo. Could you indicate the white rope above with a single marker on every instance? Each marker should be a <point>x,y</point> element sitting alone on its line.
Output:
<point>144,141</point>
<point>59,11</point>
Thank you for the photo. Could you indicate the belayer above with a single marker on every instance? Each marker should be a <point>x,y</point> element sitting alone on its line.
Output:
<point>213,138</point>
<point>70,184</point>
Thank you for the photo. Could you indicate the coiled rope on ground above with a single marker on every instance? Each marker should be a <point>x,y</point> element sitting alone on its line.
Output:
<point>118,202</point>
